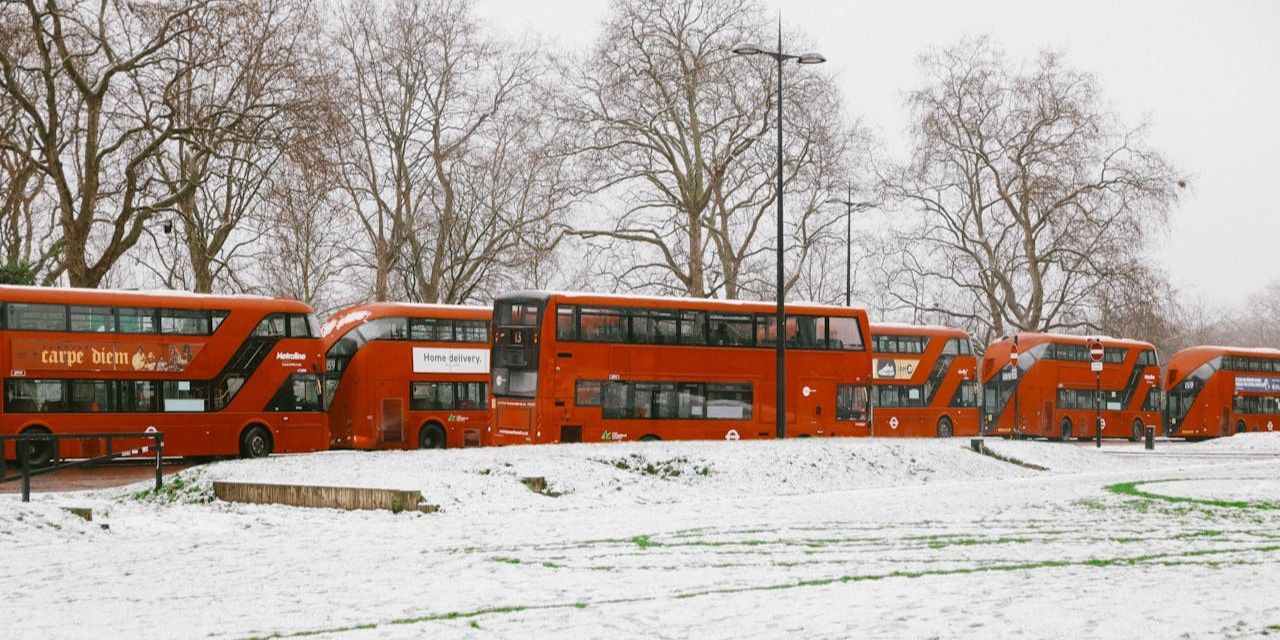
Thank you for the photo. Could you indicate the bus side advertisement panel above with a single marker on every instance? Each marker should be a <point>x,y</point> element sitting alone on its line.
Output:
<point>445,360</point>
<point>101,355</point>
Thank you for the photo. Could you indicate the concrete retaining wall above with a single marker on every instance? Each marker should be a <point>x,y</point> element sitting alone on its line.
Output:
<point>321,497</point>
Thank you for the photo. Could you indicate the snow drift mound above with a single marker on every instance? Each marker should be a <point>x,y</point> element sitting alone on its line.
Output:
<point>585,475</point>
<point>1265,442</point>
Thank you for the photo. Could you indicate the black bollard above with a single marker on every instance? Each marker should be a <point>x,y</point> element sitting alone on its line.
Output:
<point>1151,438</point>
<point>24,459</point>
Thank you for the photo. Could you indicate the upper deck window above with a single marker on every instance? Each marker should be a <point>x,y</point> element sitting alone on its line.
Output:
<point>272,326</point>
<point>23,316</point>
<point>899,344</point>
<point>298,326</point>
<point>187,322</point>
<point>1067,352</point>
<point>730,330</point>
<point>133,320</point>
<point>600,324</point>
<point>957,347</point>
<point>517,314</point>
<point>621,325</point>
<point>1250,363</point>
<point>844,333</point>
<point>35,317</point>
<point>92,319</point>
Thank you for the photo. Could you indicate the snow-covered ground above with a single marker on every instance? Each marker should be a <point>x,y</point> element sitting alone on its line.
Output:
<point>800,538</point>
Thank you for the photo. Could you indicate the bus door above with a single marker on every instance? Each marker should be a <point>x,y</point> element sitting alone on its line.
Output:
<point>1224,424</point>
<point>390,415</point>
<point>813,408</point>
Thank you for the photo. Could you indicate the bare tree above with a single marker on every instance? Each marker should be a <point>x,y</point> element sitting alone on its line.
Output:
<point>90,87</point>
<point>1257,322</point>
<point>679,131</point>
<point>27,231</point>
<point>301,254</point>
<point>245,78</point>
<point>446,166</point>
<point>1028,195</point>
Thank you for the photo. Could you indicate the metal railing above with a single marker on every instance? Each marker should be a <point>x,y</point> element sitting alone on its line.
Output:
<point>22,446</point>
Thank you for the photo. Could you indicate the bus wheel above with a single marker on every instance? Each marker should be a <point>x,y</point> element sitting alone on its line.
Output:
<point>649,438</point>
<point>944,427</point>
<point>1240,428</point>
<point>39,454</point>
<point>255,442</point>
<point>1137,432</point>
<point>1066,429</point>
<point>431,436</point>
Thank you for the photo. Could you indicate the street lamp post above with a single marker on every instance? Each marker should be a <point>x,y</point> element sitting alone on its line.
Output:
<point>780,374</point>
<point>850,208</point>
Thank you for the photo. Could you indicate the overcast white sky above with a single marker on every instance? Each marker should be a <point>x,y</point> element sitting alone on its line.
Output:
<point>1206,74</point>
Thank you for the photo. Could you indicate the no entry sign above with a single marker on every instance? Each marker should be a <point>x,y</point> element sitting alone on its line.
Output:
<point>1095,355</point>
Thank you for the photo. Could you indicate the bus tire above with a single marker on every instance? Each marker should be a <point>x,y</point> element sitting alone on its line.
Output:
<point>431,436</point>
<point>255,442</point>
<point>1066,430</point>
<point>39,454</point>
<point>945,429</point>
<point>1240,427</point>
<point>1138,431</point>
<point>649,438</point>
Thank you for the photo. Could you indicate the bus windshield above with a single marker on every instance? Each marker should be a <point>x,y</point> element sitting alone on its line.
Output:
<point>515,348</point>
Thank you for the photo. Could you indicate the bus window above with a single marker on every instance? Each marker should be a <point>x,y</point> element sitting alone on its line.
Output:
<point>600,324</point>
<point>133,320</point>
<point>844,333</point>
<point>91,396</point>
<point>587,393</point>
<point>186,322</point>
<point>91,319</point>
<point>183,395</point>
<point>36,317</point>
<point>693,327</point>
<point>729,401</point>
<point>300,392</point>
<point>731,329</point>
<point>851,402</point>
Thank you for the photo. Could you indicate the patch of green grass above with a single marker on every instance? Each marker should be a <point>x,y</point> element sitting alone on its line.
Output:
<point>181,488</point>
<point>644,542</point>
<point>1131,489</point>
<point>1091,504</point>
<point>505,560</point>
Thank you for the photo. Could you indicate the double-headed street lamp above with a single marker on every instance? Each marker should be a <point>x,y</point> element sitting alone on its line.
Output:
<point>780,338</point>
<point>850,208</point>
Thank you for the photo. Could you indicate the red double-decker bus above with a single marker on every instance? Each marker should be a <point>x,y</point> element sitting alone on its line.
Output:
<point>218,375</point>
<point>576,367</point>
<point>404,376</point>
<point>925,382</point>
<point>1218,391</point>
<point>1053,393</point>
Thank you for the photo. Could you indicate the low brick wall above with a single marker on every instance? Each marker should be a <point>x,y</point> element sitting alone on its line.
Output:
<point>320,497</point>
